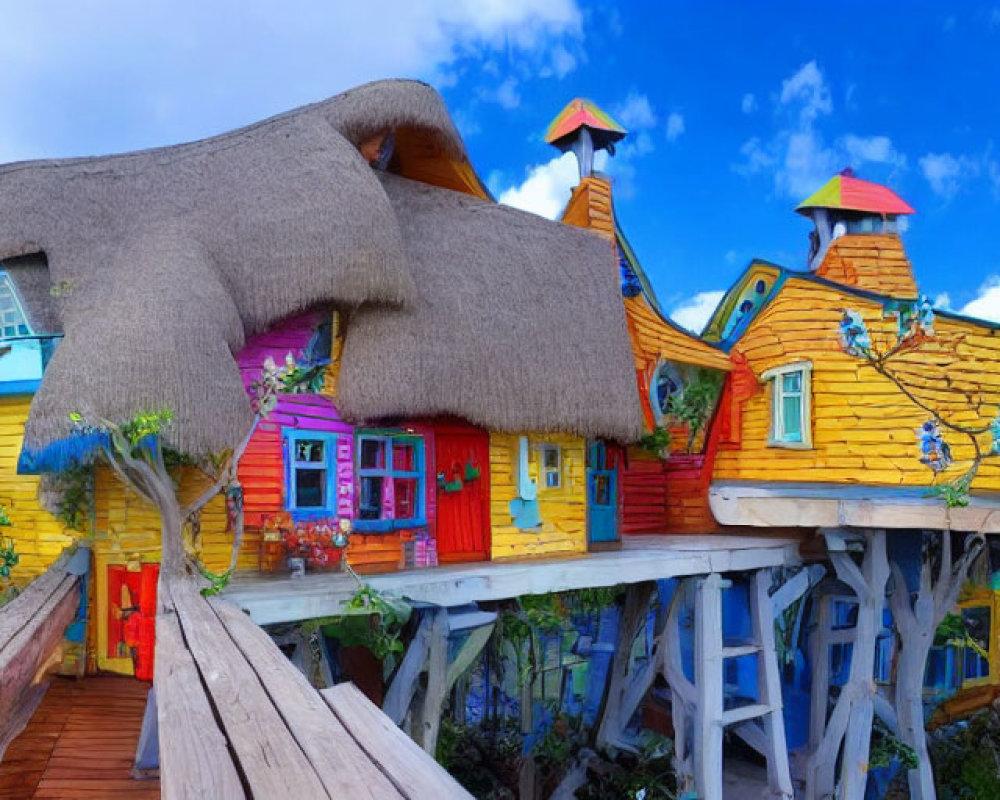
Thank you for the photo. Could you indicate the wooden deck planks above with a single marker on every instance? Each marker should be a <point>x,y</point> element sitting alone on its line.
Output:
<point>270,759</point>
<point>397,754</point>
<point>195,760</point>
<point>80,743</point>
<point>342,766</point>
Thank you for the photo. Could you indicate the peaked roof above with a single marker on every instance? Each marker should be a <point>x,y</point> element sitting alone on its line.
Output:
<point>579,113</point>
<point>848,193</point>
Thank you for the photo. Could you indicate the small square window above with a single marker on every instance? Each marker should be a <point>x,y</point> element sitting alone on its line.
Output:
<point>310,488</point>
<point>551,459</point>
<point>310,451</point>
<point>311,469</point>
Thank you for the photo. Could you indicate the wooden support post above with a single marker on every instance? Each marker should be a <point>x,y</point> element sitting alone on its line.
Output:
<point>682,691</point>
<point>404,685</point>
<point>709,685</point>
<point>769,687</point>
<point>428,718</point>
<point>626,686</point>
<point>850,724</point>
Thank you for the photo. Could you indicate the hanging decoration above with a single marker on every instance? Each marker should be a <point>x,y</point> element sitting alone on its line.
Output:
<point>854,338</point>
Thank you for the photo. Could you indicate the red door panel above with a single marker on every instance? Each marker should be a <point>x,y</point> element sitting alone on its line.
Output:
<point>462,460</point>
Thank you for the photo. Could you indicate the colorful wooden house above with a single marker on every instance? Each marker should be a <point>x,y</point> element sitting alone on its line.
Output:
<point>438,382</point>
<point>656,495</point>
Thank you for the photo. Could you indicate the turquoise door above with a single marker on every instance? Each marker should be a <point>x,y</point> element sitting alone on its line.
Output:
<point>602,494</point>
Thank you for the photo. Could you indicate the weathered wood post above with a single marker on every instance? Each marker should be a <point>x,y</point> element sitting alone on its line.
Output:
<point>850,725</point>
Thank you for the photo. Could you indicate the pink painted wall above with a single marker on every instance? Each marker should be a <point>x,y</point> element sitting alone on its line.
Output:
<point>262,468</point>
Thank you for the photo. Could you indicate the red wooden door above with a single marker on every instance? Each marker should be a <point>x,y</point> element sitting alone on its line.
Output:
<point>462,462</point>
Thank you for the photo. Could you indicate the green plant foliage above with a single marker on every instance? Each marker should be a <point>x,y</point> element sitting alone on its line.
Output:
<point>218,580</point>
<point>966,757</point>
<point>695,403</point>
<point>8,556</point>
<point>646,775</point>
<point>75,489</point>
<point>484,761</point>
<point>885,748</point>
<point>376,623</point>
<point>5,520</point>
<point>951,629</point>
<point>656,442</point>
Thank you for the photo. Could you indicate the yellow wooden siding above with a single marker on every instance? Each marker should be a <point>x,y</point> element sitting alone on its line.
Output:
<point>863,428</point>
<point>127,527</point>
<point>563,511</point>
<point>38,536</point>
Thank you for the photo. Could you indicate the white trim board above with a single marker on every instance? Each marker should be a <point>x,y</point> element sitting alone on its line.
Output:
<point>270,600</point>
<point>824,505</point>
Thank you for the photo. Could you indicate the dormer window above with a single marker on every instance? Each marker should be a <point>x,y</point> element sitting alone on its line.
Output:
<point>791,405</point>
<point>12,319</point>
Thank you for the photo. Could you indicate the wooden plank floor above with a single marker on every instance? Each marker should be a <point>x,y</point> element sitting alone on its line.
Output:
<point>80,743</point>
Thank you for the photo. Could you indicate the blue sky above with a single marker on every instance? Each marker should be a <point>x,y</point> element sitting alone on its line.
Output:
<point>736,111</point>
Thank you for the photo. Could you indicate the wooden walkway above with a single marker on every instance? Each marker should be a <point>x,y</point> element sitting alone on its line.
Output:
<point>80,743</point>
<point>237,719</point>
<point>274,599</point>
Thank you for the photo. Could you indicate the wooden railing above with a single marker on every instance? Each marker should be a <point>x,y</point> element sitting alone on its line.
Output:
<point>31,631</point>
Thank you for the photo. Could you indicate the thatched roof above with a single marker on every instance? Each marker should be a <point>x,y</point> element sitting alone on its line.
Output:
<point>164,260</point>
<point>518,324</point>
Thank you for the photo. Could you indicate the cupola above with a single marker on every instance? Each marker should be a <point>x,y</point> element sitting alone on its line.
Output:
<point>856,241</point>
<point>583,128</point>
<point>848,205</point>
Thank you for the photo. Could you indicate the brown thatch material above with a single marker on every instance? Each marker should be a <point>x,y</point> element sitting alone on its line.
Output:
<point>265,221</point>
<point>164,260</point>
<point>518,324</point>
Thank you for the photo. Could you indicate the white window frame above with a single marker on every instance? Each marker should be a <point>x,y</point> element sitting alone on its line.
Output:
<point>775,436</point>
<point>543,471</point>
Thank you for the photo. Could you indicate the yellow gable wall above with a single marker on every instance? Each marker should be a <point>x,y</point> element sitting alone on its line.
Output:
<point>38,536</point>
<point>563,510</point>
<point>863,427</point>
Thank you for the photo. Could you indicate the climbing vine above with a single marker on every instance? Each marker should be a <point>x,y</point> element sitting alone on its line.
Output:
<point>915,329</point>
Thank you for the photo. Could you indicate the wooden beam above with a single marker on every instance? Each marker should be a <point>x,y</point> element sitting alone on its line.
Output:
<point>271,601</point>
<point>269,757</point>
<point>342,766</point>
<point>425,732</point>
<point>404,685</point>
<point>412,771</point>
<point>783,505</point>
<point>709,684</point>
<point>195,760</point>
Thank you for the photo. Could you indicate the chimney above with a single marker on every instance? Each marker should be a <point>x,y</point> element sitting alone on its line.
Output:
<point>855,237</point>
<point>584,129</point>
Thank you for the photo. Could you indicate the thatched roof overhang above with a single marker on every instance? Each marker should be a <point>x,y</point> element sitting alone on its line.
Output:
<point>162,262</point>
<point>518,325</point>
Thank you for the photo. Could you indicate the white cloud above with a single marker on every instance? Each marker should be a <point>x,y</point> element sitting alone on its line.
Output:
<point>636,113</point>
<point>97,77</point>
<point>797,155</point>
<point>986,305</point>
<point>694,312</point>
<point>749,103</point>
<point>808,88</point>
<point>942,301</point>
<point>505,94</point>
<point>546,188</point>
<point>675,126</point>
<point>874,149</point>
<point>946,173</point>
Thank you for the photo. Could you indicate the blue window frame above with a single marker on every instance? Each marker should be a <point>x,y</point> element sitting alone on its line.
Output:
<point>310,473</point>
<point>390,470</point>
